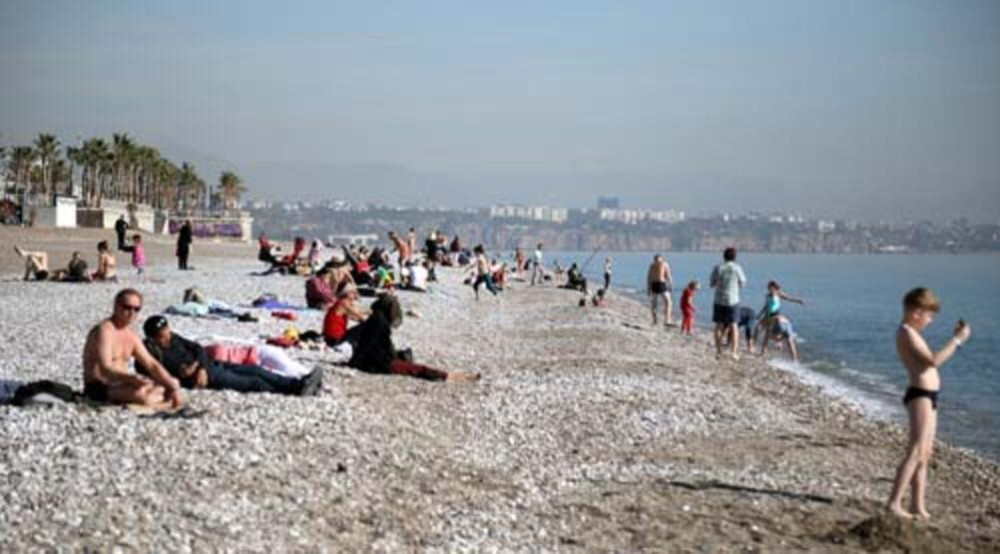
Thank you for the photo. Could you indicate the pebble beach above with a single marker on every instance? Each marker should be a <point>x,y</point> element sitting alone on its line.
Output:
<point>590,430</point>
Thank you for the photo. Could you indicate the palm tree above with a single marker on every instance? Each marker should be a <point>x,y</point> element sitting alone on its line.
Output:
<point>230,189</point>
<point>3,163</point>
<point>47,148</point>
<point>96,159</point>
<point>165,191</point>
<point>190,188</point>
<point>21,158</point>
<point>123,150</point>
<point>75,156</point>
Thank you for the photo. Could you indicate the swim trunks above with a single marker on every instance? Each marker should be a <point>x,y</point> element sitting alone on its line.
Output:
<point>724,315</point>
<point>912,393</point>
<point>98,392</point>
<point>659,287</point>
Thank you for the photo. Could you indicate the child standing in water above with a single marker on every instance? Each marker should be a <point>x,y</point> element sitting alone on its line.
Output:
<point>687,308</point>
<point>138,254</point>
<point>921,363</point>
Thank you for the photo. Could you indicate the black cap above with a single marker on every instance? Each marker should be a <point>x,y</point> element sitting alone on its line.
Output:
<point>153,325</point>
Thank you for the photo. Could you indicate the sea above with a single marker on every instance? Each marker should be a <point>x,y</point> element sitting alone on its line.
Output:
<point>847,326</point>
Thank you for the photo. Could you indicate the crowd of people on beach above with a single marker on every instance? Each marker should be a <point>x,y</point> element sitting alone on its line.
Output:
<point>728,316</point>
<point>362,336</point>
<point>334,282</point>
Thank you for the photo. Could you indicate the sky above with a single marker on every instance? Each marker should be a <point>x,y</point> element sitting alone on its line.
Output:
<point>869,109</point>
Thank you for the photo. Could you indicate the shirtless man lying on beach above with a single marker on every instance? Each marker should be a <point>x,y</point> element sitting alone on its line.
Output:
<point>36,264</point>
<point>919,307</point>
<point>109,347</point>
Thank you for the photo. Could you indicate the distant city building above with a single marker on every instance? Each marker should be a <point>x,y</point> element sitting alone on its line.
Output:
<point>608,203</point>
<point>785,218</point>
<point>257,204</point>
<point>533,213</point>
<point>825,226</point>
<point>634,217</point>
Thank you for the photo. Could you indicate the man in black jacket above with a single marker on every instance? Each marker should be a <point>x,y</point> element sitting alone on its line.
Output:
<point>187,361</point>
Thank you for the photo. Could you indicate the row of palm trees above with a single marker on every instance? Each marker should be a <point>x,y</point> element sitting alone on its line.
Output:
<point>120,169</point>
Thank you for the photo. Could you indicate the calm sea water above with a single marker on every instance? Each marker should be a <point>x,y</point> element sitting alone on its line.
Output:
<point>848,324</point>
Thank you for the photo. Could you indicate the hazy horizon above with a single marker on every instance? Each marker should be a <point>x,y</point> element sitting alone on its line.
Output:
<point>850,109</point>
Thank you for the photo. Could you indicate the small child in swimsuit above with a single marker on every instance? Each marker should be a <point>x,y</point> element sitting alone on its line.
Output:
<point>687,308</point>
<point>919,307</point>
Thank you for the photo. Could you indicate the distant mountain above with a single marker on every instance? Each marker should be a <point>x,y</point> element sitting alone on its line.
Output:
<point>358,183</point>
<point>208,166</point>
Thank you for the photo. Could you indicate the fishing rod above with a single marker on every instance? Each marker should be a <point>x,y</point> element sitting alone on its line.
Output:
<point>594,253</point>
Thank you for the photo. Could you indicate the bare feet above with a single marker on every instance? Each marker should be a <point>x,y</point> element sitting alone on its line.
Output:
<point>923,515</point>
<point>898,511</point>
<point>462,376</point>
<point>19,250</point>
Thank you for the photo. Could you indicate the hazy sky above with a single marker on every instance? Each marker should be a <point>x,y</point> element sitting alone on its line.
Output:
<point>846,108</point>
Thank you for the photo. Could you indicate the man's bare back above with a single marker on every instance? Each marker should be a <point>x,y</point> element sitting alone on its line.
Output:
<point>657,272</point>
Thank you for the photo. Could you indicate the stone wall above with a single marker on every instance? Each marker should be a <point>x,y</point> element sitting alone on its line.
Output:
<point>63,214</point>
<point>141,217</point>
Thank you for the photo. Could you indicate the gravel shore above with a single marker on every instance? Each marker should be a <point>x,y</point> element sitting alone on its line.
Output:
<point>590,430</point>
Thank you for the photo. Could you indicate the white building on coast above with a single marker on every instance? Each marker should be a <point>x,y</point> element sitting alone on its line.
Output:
<point>634,217</point>
<point>533,213</point>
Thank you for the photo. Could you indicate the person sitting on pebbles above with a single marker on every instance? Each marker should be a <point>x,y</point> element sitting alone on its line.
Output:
<point>371,339</point>
<point>105,263</point>
<point>109,348</point>
<point>187,361</point>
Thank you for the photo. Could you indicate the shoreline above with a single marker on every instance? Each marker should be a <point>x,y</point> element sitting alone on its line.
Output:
<point>589,430</point>
<point>876,386</point>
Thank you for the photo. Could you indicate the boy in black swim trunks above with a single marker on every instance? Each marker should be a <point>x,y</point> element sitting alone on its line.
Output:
<point>919,307</point>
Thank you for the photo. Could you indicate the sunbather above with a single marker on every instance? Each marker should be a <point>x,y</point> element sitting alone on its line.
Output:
<point>109,348</point>
<point>187,361</point>
<point>105,263</point>
<point>371,339</point>
<point>319,295</point>
<point>36,263</point>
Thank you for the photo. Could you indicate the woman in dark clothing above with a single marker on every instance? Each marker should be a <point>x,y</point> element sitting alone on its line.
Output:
<point>371,339</point>
<point>184,240</point>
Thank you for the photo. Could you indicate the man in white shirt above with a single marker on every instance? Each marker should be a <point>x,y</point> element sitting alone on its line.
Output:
<point>417,278</point>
